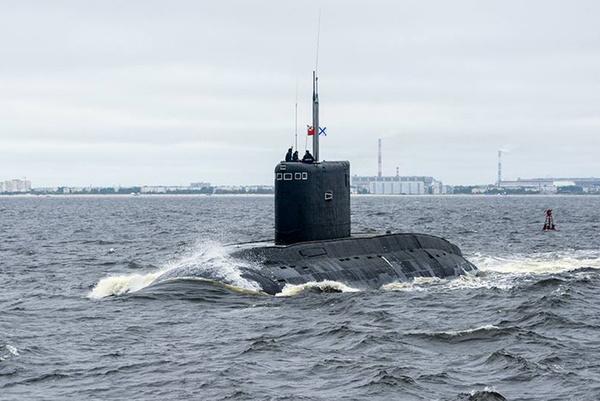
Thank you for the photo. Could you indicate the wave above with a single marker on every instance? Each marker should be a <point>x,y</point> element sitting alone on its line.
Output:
<point>541,263</point>
<point>195,281</point>
<point>11,351</point>
<point>208,261</point>
<point>119,285</point>
<point>544,318</point>
<point>456,333</point>
<point>467,281</point>
<point>314,286</point>
<point>507,360</point>
<point>456,336</point>
<point>520,367</point>
<point>387,377</point>
<point>488,394</point>
<point>417,284</point>
<point>505,273</point>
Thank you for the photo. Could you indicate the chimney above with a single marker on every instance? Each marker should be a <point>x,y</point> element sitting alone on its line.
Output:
<point>379,160</point>
<point>499,167</point>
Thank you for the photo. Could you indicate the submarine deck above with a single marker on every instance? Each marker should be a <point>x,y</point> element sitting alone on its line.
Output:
<point>364,261</point>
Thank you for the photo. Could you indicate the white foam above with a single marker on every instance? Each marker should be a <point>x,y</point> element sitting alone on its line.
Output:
<point>119,285</point>
<point>457,333</point>
<point>205,259</point>
<point>426,280</point>
<point>421,284</point>
<point>541,263</point>
<point>212,260</point>
<point>402,286</point>
<point>503,272</point>
<point>324,286</point>
<point>12,350</point>
<point>487,389</point>
<point>469,281</point>
<point>219,284</point>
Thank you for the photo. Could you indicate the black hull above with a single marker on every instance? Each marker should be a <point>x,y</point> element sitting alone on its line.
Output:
<point>359,262</point>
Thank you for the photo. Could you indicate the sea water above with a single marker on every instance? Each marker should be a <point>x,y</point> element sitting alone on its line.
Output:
<point>82,317</point>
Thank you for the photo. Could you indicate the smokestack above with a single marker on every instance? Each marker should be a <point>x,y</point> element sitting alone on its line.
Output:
<point>397,171</point>
<point>379,160</point>
<point>499,167</point>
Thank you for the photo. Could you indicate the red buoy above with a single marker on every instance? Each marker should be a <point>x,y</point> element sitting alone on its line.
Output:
<point>549,223</point>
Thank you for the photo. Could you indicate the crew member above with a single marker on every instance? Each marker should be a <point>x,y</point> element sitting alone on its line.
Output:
<point>288,155</point>
<point>308,158</point>
<point>295,157</point>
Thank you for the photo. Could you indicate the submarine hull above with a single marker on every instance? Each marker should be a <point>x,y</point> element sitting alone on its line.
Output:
<point>363,262</point>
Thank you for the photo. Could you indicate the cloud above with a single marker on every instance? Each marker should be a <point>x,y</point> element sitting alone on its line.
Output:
<point>188,90</point>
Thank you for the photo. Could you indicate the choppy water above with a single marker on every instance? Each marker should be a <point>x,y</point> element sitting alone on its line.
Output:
<point>77,320</point>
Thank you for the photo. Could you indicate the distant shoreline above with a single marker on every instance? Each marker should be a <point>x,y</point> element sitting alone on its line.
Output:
<point>133,196</point>
<point>35,196</point>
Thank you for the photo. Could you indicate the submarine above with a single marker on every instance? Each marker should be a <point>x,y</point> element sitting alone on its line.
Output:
<point>313,240</point>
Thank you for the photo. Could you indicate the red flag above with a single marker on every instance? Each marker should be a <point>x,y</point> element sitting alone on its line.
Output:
<point>310,129</point>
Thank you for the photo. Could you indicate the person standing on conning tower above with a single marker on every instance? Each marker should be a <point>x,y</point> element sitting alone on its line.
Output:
<point>288,155</point>
<point>295,157</point>
<point>308,158</point>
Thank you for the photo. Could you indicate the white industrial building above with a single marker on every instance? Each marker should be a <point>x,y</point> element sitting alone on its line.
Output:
<point>552,185</point>
<point>398,185</point>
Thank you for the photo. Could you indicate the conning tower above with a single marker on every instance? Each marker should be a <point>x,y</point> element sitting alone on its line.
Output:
<point>312,200</point>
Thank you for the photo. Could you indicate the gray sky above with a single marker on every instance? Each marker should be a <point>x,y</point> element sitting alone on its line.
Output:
<point>171,92</point>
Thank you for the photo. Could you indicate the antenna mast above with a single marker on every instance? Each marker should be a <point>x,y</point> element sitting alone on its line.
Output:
<point>318,38</point>
<point>296,119</point>
<point>315,117</point>
<point>316,98</point>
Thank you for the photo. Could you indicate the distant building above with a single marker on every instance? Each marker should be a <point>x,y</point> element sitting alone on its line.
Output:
<point>200,185</point>
<point>201,188</point>
<point>163,189</point>
<point>398,185</point>
<point>16,186</point>
<point>483,189</point>
<point>44,190</point>
<point>553,185</point>
<point>247,189</point>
